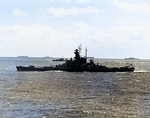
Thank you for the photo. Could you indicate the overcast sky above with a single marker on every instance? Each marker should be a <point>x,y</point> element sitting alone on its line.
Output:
<point>108,28</point>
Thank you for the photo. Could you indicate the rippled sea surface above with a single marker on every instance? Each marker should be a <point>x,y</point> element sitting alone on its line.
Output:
<point>54,94</point>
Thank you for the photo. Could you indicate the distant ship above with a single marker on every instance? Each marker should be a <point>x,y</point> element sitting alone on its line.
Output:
<point>131,58</point>
<point>22,56</point>
<point>90,58</point>
<point>46,57</point>
<point>61,59</point>
<point>78,64</point>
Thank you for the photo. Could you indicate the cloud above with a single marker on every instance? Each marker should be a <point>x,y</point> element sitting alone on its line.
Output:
<point>124,22</point>
<point>135,38</point>
<point>25,39</point>
<point>65,1</point>
<point>135,8</point>
<point>74,11</point>
<point>39,40</point>
<point>18,12</point>
<point>82,1</point>
<point>77,1</point>
<point>130,39</point>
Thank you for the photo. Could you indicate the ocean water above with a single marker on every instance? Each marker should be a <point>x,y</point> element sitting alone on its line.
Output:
<point>58,94</point>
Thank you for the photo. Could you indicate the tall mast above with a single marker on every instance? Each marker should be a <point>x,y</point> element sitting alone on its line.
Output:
<point>86,54</point>
<point>80,47</point>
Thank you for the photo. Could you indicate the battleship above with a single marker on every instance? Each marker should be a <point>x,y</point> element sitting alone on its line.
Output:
<point>60,59</point>
<point>78,64</point>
